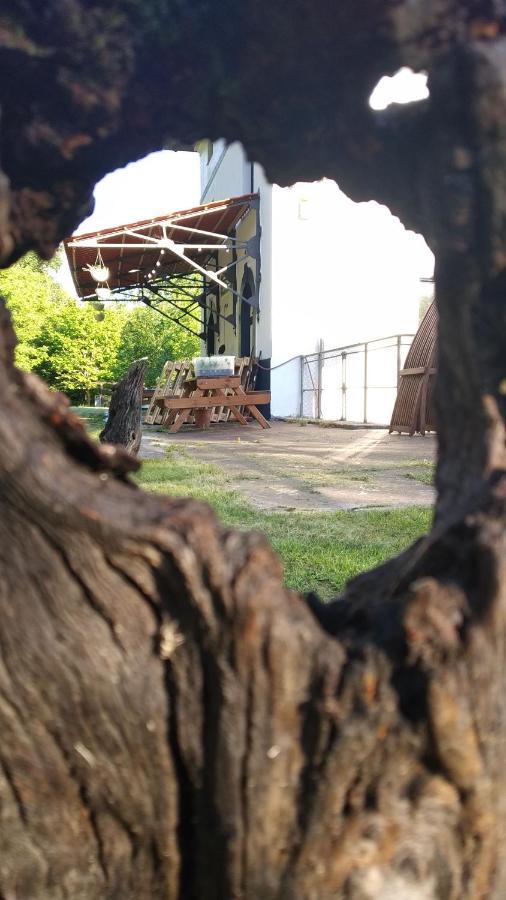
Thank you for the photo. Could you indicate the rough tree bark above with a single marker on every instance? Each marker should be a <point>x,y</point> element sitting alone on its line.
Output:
<point>124,422</point>
<point>174,723</point>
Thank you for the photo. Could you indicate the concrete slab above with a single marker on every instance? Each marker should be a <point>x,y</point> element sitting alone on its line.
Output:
<point>293,466</point>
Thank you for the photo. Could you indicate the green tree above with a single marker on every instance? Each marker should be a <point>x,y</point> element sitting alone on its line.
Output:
<point>425,302</point>
<point>82,346</point>
<point>30,293</point>
<point>71,345</point>
<point>147,333</point>
<point>75,346</point>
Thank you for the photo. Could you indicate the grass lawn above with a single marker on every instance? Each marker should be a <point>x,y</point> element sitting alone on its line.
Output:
<point>320,550</point>
<point>92,417</point>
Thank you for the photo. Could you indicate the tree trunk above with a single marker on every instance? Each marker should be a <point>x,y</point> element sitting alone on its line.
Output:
<point>124,422</point>
<point>175,723</point>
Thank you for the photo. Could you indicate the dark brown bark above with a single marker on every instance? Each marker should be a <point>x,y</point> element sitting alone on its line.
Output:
<point>124,422</point>
<point>175,724</point>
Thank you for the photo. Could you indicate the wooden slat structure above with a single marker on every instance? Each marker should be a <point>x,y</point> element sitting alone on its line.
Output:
<point>170,384</point>
<point>208,393</point>
<point>414,407</point>
<point>175,382</point>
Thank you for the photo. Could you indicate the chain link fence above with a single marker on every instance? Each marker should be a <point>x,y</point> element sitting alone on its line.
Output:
<point>356,383</point>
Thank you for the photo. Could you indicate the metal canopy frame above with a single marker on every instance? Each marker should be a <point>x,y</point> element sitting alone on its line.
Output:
<point>176,260</point>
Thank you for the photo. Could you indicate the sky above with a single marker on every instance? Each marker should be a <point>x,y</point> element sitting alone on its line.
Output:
<point>166,181</point>
<point>159,183</point>
<point>403,87</point>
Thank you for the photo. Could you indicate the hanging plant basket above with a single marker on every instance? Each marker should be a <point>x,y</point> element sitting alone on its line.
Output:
<point>98,270</point>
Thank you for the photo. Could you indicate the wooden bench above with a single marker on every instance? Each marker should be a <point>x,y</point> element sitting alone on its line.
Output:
<point>207,393</point>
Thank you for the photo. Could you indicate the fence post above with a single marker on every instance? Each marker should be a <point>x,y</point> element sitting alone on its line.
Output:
<point>343,386</point>
<point>365,383</point>
<point>320,378</point>
<point>301,387</point>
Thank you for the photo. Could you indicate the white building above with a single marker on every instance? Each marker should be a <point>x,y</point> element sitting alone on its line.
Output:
<point>321,289</point>
<point>329,273</point>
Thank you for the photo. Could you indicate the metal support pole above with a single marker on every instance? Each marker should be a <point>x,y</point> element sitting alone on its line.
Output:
<point>365,383</point>
<point>301,387</point>
<point>399,344</point>
<point>343,386</point>
<point>320,378</point>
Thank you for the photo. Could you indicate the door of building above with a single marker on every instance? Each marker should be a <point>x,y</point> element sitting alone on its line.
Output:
<point>246,321</point>
<point>210,335</point>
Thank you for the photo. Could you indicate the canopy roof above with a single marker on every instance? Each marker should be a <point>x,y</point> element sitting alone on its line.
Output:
<point>141,253</point>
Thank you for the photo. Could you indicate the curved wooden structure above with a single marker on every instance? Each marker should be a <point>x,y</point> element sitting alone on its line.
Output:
<point>414,406</point>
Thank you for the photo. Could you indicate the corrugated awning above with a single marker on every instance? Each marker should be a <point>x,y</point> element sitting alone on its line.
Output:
<point>141,253</point>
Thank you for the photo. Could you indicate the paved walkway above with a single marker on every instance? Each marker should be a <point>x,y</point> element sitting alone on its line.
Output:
<point>294,466</point>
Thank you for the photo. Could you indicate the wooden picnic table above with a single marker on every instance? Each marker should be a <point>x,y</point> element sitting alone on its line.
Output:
<point>206,393</point>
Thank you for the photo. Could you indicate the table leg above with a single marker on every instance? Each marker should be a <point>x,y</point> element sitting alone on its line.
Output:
<point>240,392</point>
<point>182,416</point>
<point>233,409</point>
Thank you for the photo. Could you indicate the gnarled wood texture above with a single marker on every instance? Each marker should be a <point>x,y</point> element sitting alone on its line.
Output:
<point>175,724</point>
<point>124,425</point>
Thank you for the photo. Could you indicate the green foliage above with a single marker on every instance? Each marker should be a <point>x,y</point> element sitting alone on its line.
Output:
<point>82,346</point>
<point>76,346</point>
<point>424,474</point>
<point>147,333</point>
<point>30,294</point>
<point>425,302</point>
<point>93,418</point>
<point>320,551</point>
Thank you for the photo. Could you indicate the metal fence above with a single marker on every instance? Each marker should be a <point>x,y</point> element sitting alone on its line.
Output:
<point>356,383</point>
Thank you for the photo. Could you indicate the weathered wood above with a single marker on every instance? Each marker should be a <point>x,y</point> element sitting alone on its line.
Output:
<point>251,400</point>
<point>154,410</point>
<point>228,381</point>
<point>208,397</point>
<point>217,399</point>
<point>170,385</point>
<point>124,423</point>
<point>414,405</point>
<point>180,414</point>
<point>419,370</point>
<point>175,724</point>
<point>235,411</point>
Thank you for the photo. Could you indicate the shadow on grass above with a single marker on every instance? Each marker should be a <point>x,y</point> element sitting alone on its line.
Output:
<point>320,551</point>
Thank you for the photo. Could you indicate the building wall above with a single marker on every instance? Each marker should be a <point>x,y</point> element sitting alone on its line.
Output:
<point>229,335</point>
<point>342,273</point>
<point>332,271</point>
<point>264,320</point>
<point>228,174</point>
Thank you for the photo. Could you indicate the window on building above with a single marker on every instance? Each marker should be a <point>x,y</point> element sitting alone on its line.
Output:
<point>304,208</point>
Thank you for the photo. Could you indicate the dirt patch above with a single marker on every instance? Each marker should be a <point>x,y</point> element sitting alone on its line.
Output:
<point>294,467</point>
